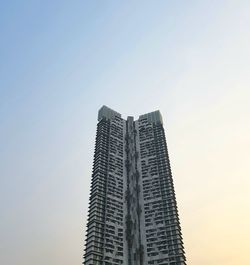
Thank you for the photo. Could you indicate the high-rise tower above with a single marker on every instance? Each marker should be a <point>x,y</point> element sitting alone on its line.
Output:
<point>133,217</point>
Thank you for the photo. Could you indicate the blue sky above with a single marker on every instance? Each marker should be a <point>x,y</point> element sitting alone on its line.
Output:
<point>61,61</point>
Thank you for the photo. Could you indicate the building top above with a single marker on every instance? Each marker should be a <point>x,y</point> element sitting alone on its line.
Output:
<point>107,113</point>
<point>152,117</point>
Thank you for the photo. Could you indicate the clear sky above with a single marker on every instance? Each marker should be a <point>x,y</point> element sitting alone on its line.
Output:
<point>60,61</point>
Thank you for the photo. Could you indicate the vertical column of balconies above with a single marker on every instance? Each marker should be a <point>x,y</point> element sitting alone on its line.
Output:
<point>113,231</point>
<point>133,229</point>
<point>169,212</point>
<point>140,251</point>
<point>96,218</point>
<point>129,222</point>
<point>151,196</point>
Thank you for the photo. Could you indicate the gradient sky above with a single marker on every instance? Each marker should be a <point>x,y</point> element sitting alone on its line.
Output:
<point>60,61</point>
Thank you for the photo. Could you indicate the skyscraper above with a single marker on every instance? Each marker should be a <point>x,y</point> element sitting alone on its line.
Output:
<point>133,217</point>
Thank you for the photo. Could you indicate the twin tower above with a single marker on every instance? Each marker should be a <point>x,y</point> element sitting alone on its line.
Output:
<point>133,217</point>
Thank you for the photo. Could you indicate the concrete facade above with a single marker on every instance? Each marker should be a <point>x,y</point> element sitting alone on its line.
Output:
<point>133,217</point>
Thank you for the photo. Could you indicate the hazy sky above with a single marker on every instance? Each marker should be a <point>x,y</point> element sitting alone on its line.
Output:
<point>60,61</point>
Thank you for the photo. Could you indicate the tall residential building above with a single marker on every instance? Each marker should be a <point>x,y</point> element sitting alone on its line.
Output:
<point>133,217</point>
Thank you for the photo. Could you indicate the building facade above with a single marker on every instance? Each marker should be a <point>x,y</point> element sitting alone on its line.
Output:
<point>133,217</point>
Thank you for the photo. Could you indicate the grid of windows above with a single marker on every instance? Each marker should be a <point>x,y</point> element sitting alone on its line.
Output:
<point>163,234</point>
<point>104,243</point>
